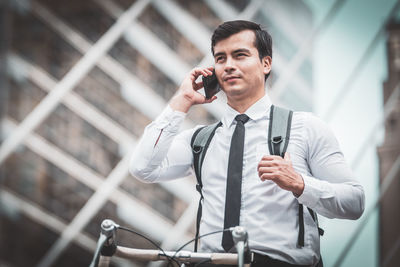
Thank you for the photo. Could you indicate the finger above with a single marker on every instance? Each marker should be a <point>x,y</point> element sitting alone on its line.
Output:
<point>273,175</point>
<point>211,99</point>
<point>197,85</point>
<point>287,156</point>
<point>196,72</point>
<point>267,176</point>
<point>262,170</point>
<point>269,163</point>
<point>271,157</point>
<point>209,71</point>
<point>205,72</point>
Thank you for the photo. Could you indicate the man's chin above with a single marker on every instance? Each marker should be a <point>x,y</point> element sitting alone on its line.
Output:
<point>232,87</point>
<point>235,91</point>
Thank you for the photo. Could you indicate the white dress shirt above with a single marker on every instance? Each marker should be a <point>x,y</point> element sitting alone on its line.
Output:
<point>269,213</point>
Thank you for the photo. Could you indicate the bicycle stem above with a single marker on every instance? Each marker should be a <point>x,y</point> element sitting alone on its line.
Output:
<point>239,235</point>
<point>108,228</point>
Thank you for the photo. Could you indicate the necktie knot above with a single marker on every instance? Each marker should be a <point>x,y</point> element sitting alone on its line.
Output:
<point>243,118</point>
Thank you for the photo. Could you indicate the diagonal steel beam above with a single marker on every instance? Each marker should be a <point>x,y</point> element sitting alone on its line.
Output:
<point>388,108</point>
<point>222,9</point>
<point>158,53</point>
<point>175,237</point>
<point>148,222</point>
<point>182,226</point>
<point>303,52</point>
<point>50,221</point>
<point>90,209</point>
<point>251,9</point>
<point>145,99</point>
<point>72,100</point>
<point>192,28</point>
<point>279,16</point>
<point>70,80</point>
<point>37,214</point>
<point>149,45</point>
<point>92,115</point>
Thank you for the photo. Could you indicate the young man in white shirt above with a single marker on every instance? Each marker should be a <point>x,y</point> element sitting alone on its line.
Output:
<point>313,172</point>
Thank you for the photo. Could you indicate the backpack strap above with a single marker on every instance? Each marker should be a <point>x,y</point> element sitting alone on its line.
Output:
<point>280,122</point>
<point>278,140</point>
<point>315,218</point>
<point>200,141</point>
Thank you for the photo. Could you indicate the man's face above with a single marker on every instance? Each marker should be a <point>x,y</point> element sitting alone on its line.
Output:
<point>239,70</point>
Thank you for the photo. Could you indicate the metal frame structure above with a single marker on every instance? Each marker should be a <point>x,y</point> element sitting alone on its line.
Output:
<point>70,80</point>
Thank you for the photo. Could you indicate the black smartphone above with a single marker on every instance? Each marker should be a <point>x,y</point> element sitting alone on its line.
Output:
<point>211,85</point>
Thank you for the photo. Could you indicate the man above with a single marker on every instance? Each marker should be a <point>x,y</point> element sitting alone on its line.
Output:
<point>313,172</point>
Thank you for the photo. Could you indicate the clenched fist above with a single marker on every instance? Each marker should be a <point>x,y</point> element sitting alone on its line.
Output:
<point>280,171</point>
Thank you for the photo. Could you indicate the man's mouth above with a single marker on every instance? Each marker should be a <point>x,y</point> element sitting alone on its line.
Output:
<point>231,78</point>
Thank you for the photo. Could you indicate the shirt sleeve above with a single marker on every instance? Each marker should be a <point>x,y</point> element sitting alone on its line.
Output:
<point>331,190</point>
<point>162,153</point>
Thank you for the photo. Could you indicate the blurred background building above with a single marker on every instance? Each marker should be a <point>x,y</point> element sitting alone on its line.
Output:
<point>389,153</point>
<point>81,79</point>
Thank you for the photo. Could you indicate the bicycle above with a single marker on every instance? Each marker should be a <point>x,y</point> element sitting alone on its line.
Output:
<point>107,248</point>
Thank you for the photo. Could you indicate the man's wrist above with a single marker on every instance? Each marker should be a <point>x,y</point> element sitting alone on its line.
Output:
<point>299,188</point>
<point>179,103</point>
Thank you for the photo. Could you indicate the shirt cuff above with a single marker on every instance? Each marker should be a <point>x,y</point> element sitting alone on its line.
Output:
<point>170,120</point>
<point>311,193</point>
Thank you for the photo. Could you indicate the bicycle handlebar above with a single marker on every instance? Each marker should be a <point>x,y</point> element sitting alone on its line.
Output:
<point>181,256</point>
<point>108,249</point>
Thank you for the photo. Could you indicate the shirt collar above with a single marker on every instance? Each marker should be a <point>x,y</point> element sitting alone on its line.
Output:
<point>258,110</point>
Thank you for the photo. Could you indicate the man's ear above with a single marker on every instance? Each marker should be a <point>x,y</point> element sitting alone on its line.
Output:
<point>267,62</point>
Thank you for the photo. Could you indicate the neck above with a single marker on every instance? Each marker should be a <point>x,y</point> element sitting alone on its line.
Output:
<point>243,104</point>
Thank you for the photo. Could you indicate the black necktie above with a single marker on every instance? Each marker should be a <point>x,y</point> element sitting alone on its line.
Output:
<point>234,181</point>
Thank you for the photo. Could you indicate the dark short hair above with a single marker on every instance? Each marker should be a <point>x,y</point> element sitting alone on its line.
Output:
<point>263,41</point>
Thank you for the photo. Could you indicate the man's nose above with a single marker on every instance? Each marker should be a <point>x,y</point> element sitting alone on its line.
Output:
<point>229,64</point>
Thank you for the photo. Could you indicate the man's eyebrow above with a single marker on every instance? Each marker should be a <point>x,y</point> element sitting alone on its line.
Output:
<point>234,52</point>
<point>219,54</point>
<point>241,50</point>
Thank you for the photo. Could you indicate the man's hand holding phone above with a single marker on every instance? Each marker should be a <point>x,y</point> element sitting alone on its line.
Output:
<point>187,94</point>
<point>211,85</point>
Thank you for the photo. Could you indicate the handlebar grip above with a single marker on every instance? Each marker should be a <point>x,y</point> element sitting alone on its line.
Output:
<point>104,261</point>
<point>224,258</point>
<point>138,254</point>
